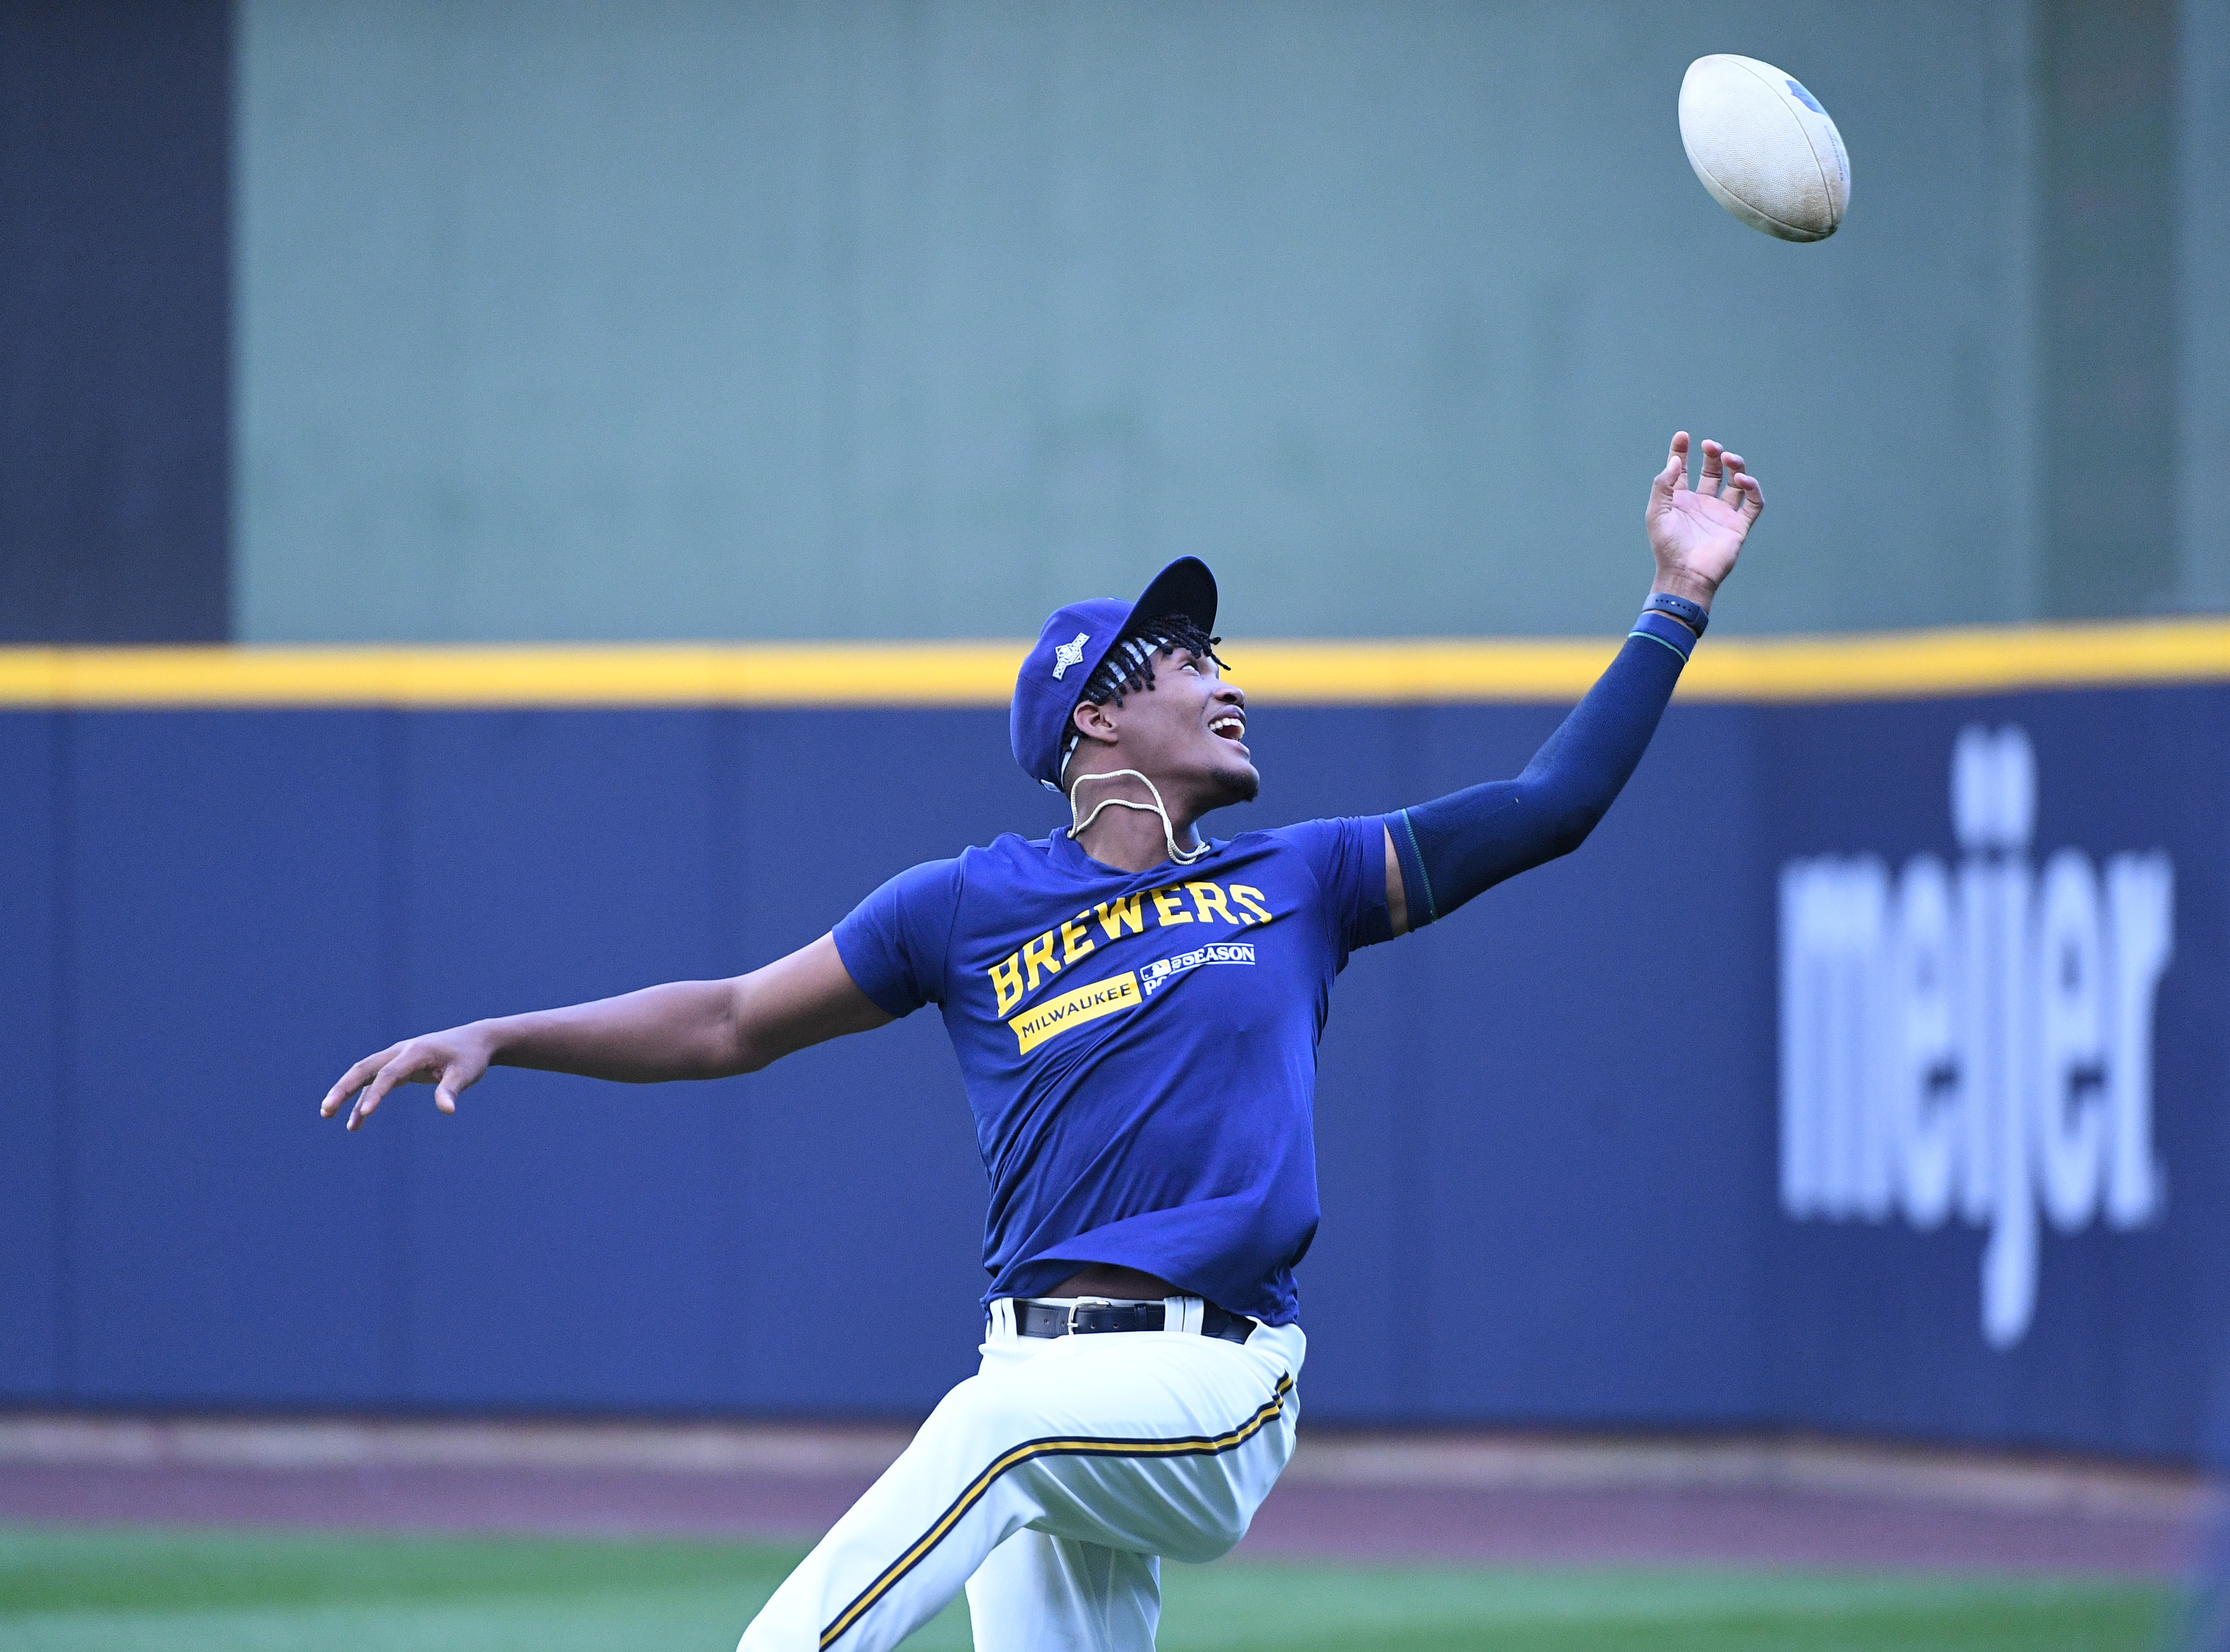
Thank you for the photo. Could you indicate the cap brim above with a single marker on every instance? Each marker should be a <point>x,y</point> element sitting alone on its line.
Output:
<point>1184,587</point>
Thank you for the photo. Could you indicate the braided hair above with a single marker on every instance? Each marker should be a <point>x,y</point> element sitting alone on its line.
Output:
<point>1128,667</point>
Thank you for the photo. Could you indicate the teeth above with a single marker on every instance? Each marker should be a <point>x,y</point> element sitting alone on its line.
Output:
<point>1237,725</point>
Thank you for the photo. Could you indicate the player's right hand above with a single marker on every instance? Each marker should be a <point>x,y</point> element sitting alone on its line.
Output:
<point>1696,533</point>
<point>449,1061</point>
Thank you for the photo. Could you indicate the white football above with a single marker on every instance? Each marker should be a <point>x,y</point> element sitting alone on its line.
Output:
<point>1764,147</point>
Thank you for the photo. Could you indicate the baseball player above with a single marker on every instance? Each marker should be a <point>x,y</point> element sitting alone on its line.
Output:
<point>1135,1009</point>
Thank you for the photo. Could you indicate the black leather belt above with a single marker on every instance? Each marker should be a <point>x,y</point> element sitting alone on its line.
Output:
<point>1047,1319</point>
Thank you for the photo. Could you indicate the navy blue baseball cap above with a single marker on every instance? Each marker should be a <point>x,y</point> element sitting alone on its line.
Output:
<point>1071,646</point>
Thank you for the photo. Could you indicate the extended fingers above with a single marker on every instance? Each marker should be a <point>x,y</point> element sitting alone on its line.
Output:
<point>1723,477</point>
<point>1708,483</point>
<point>1741,490</point>
<point>395,1072</point>
<point>352,1081</point>
<point>1675,473</point>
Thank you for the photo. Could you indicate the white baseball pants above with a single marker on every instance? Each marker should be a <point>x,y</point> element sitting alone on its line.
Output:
<point>1049,1484</point>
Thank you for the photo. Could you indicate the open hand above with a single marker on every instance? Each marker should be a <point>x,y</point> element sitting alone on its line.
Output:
<point>1697,532</point>
<point>449,1061</point>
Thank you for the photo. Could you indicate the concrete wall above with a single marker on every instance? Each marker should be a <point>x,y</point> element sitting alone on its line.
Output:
<point>685,320</point>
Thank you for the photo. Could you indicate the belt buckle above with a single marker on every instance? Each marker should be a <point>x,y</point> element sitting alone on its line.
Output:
<point>1068,1326</point>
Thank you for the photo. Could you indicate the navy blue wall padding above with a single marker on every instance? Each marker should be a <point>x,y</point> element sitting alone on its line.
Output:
<point>115,235</point>
<point>1547,1126</point>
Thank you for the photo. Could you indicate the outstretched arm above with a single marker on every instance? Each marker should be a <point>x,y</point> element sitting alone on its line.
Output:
<point>691,1029</point>
<point>1441,854</point>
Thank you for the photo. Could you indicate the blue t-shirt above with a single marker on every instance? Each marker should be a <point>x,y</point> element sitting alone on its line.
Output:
<point>1139,1048</point>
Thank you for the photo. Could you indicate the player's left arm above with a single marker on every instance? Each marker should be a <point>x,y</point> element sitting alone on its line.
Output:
<point>1441,854</point>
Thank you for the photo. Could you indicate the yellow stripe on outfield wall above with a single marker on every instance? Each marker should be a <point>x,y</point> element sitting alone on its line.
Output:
<point>1894,665</point>
<point>830,673</point>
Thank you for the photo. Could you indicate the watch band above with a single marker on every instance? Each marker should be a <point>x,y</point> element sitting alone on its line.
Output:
<point>1694,615</point>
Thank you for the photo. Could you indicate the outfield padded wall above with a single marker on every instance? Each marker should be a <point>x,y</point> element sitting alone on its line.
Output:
<point>1547,1127</point>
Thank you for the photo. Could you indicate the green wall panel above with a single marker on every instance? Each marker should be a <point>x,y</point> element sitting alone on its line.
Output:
<point>686,319</point>
<point>2202,284</point>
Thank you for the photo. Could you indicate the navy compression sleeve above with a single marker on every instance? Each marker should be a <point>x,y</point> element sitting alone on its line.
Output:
<point>1464,844</point>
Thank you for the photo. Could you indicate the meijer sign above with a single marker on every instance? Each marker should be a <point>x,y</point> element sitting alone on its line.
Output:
<point>1974,1040</point>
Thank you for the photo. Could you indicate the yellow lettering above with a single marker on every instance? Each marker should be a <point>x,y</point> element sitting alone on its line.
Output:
<point>1165,903</point>
<point>1039,955</point>
<point>1007,981</point>
<point>1074,943</point>
<point>1207,898</point>
<point>1251,898</point>
<point>1056,1016</point>
<point>1115,916</point>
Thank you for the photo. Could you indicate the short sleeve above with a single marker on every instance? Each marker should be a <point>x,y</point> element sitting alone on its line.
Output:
<point>893,943</point>
<point>1348,857</point>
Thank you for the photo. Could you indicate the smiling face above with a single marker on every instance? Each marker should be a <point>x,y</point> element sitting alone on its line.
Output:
<point>1187,732</point>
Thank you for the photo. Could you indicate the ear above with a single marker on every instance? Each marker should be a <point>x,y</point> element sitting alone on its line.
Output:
<point>1094,721</point>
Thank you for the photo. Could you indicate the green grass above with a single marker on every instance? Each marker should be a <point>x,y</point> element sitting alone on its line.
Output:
<point>109,1590</point>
